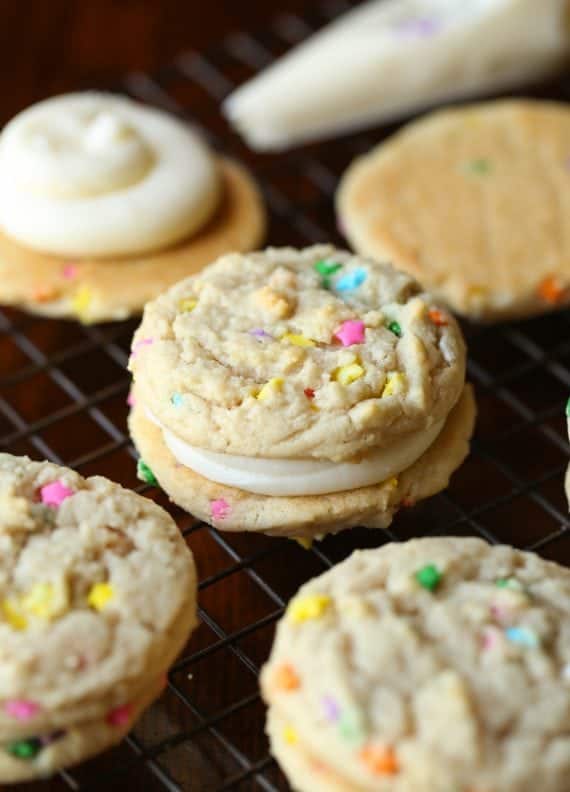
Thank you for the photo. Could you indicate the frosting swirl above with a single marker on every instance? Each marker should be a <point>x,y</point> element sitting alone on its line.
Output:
<point>93,174</point>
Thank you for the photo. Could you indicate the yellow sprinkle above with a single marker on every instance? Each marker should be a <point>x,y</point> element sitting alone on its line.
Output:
<point>347,374</point>
<point>290,735</point>
<point>298,340</point>
<point>100,595</point>
<point>304,541</point>
<point>187,305</point>
<point>270,388</point>
<point>80,303</point>
<point>392,483</point>
<point>310,606</point>
<point>395,383</point>
<point>11,613</point>
<point>46,600</point>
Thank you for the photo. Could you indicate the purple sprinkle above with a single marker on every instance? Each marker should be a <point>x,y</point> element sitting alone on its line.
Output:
<point>258,332</point>
<point>422,27</point>
<point>331,709</point>
<point>48,739</point>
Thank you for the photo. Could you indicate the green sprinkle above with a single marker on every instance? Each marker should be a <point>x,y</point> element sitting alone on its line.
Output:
<point>395,328</point>
<point>429,577</point>
<point>478,166</point>
<point>324,267</point>
<point>144,473</point>
<point>351,726</point>
<point>568,408</point>
<point>509,583</point>
<point>25,749</point>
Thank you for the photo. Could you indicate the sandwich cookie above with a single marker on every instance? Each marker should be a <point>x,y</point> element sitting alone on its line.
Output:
<point>427,666</point>
<point>83,647</point>
<point>298,392</point>
<point>105,202</point>
<point>472,202</point>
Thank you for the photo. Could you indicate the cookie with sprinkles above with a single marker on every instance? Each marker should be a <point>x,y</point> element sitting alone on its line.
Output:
<point>83,647</point>
<point>298,392</point>
<point>425,666</point>
<point>470,201</point>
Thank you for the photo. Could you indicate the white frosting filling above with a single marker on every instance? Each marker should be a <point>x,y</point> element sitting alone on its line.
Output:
<point>280,477</point>
<point>92,174</point>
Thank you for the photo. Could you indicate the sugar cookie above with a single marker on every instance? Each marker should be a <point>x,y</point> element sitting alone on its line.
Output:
<point>105,202</point>
<point>295,388</point>
<point>471,201</point>
<point>426,666</point>
<point>84,649</point>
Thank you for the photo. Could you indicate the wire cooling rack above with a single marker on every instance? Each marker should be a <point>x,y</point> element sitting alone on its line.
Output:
<point>63,391</point>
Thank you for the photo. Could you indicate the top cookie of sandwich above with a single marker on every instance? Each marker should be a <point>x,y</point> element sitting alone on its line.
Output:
<point>287,353</point>
<point>432,665</point>
<point>473,202</point>
<point>79,632</point>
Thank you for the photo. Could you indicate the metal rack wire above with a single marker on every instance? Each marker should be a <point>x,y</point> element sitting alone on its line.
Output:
<point>63,390</point>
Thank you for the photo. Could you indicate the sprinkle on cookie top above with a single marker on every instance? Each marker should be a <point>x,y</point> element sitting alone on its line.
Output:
<point>446,661</point>
<point>225,359</point>
<point>78,558</point>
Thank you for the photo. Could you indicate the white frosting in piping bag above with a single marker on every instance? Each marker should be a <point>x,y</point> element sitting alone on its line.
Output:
<point>93,174</point>
<point>280,477</point>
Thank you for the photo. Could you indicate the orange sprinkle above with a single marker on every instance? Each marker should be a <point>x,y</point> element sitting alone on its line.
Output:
<point>407,503</point>
<point>437,317</point>
<point>551,291</point>
<point>44,293</point>
<point>380,759</point>
<point>286,678</point>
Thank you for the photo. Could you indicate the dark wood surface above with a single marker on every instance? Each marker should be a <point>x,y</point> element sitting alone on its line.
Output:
<point>49,46</point>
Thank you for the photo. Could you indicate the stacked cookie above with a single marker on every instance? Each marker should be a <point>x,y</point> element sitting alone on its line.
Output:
<point>429,666</point>
<point>299,392</point>
<point>105,202</point>
<point>97,597</point>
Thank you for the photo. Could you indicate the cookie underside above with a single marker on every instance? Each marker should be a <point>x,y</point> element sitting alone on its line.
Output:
<point>471,201</point>
<point>104,290</point>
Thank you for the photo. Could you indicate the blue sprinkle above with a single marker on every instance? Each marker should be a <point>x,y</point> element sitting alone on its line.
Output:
<point>522,636</point>
<point>352,280</point>
<point>176,400</point>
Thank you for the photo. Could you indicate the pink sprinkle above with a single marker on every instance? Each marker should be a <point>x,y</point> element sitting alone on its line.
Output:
<point>55,493</point>
<point>119,716</point>
<point>350,332</point>
<point>499,613</point>
<point>131,401</point>
<point>22,709</point>
<point>220,509</point>
<point>143,342</point>
<point>491,637</point>
<point>70,271</point>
